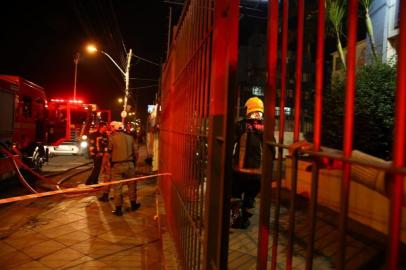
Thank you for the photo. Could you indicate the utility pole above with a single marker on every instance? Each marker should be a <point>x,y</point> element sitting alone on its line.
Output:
<point>127,86</point>
<point>76,61</point>
<point>68,105</point>
<point>92,49</point>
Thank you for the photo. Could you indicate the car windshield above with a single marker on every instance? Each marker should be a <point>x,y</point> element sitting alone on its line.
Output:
<point>68,143</point>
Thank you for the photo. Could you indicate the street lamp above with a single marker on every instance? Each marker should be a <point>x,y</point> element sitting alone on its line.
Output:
<point>93,49</point>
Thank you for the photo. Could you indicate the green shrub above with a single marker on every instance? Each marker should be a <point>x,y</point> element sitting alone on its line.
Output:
<point>374,111</point>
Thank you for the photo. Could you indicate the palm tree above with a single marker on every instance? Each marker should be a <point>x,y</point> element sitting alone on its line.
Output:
<point>335,13</point>
<point>369,26</point>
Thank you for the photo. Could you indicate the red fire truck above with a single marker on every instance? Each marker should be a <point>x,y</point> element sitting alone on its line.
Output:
<point>66,118</point>
<point>22,124</point>
<point>30,124</point>
<point>69,123</point>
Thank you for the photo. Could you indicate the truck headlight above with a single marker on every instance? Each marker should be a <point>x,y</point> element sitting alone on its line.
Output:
<point>83,144</point>
<point>84,137</point>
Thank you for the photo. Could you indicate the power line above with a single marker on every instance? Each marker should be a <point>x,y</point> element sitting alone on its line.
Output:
<point>142,87</point>
<point>144,79</point>
<point>146,60</point>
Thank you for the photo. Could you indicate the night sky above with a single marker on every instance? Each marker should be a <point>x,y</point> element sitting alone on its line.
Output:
<point>39,40</point>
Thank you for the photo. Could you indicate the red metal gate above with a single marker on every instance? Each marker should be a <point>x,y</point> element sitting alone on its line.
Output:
<point>198,104</point>
<point>184,125</point>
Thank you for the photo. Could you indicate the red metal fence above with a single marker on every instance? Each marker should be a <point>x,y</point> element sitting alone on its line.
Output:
<point>198,104</point>
<point>184,128</point>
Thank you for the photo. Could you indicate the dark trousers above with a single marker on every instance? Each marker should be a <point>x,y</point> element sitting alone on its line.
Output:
<point>94,176</point>
<point>247,184</point>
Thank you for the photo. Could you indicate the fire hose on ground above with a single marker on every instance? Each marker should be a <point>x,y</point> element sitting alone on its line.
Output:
<point>81,189</point>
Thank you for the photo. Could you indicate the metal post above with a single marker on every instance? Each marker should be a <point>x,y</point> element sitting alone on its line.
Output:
<point>348,127</point>
<point>68,111</point>
<point>222,101</point>
<point>76,61</point>
<point>399,146</point>
<point>317,129</point>
<point>296,133</point>
<point>299,64</point>
<point>269,123</point>
<point>284,51</point>
<point>169,33</point>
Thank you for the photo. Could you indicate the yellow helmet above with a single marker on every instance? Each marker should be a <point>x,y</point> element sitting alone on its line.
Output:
<point>254,104</point>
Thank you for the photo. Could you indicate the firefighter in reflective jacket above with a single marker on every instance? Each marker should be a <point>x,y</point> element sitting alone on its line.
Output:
<point>123,159</point>
<point>247,157</point>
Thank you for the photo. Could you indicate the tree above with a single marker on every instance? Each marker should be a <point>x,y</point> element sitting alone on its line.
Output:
<point>374,110</point>
<point>370,29</point>
<point>335,13</point>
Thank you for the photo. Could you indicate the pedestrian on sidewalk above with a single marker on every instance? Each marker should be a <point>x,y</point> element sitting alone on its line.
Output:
<point>123,150</point>
<point>98,143</point>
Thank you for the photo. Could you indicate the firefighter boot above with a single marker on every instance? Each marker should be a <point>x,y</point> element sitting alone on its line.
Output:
<point>135,205</point>
<point>118,212</point>
<point>239,216</point>
<point>249,202</point>
<point>245,214</point>
<point>104,197</point>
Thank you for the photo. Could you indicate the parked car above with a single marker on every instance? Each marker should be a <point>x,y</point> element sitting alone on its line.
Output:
<point>66,147</point>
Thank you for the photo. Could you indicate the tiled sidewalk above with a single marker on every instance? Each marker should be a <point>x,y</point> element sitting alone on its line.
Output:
<point>243,244</point>
<point>79,233</point>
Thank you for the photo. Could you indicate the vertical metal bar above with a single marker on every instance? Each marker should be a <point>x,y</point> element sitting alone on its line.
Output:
<point>190,146</point>
<point>202,132</point>
<point>191,158</point>
<point>196,137</point>
<point>196,129</point>
<point>187,31</point>
<point>169,32</point>
<point>222,101</point>
<point>291,224</point>
<point>317,129</point>
<point>284,52</point>
<point>269,127</point>
<point>184,180</point>
<point>348,127</point>
<point>399,145</point>
<point>206,84</point>
<point>299,65</point>
<point>195,117</point>
<point>319,75</point>
<point>296,132</point>
<point>201,188</point>
<point>207,68</point>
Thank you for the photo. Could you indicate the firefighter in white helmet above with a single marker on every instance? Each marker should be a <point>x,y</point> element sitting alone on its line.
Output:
<point>247,156</point>
<point>124,153</point>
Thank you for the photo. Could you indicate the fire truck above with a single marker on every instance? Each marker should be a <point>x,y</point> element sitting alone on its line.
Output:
<point>69,122</point>
<point>23,118</point>
<point>30,124</point>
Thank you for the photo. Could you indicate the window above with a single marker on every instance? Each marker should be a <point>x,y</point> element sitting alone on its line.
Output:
<point>27,106</point>
<point>257,91</point>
